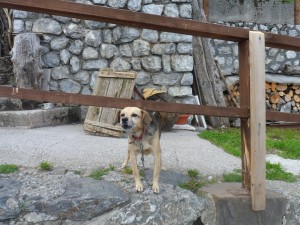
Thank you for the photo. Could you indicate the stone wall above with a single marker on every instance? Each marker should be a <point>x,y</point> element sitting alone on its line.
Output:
<point>227,52</point>
<point>75,50</point>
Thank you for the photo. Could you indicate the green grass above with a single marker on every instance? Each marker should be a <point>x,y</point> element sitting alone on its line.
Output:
<point>46,166</point>
<point>195,181</point>
<point>284,142</point>
<point>99,173</point>
<point>8,168</point>
<point>127,170</point>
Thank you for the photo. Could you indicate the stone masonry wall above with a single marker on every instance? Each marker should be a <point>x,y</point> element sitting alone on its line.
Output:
<point>74,50</point>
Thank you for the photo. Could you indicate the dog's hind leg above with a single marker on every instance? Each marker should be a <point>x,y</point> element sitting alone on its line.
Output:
<point>156,172</point>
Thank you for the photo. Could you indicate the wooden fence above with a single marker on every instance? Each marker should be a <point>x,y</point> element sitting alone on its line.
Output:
<point>252,78</point>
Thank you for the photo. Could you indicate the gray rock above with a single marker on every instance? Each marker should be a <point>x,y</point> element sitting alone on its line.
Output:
<point>90,53</point>
<point>150,35</point>
<point>182,63</point>
<point>18,14</point>
<point>291,54</point>
<point>86,90</point>
<point>74,64</point>
<point>47,25</point>
<point>65,56</point>
<point>28,26</point>
<point>286,108</point>
<point>173,37</point>
<point>142,78</point>
<point>9,190</point>
<point>94,24</point>
<point>171,10</point>
<point>136,64</point>
<point>151,63</point>
<point>8,104</point>
<point>76,47</point>
<point>53,86</point>
<point>125,34</point>
<point>34,217</point>
<point>93,38</point>
<point>108,51</point>
<point>94,79</point>
<point>99,2</point>
<point>140,48</point>
<point>166,79</point>
<point>181,1</point>
<point>187,79</point>
<point>134,5</point>
<point>69,86</point>
<point>83,199</point>
<point>125,50</point>
<point>51,59</point>
<point>180,91</point>
<point>166,63</point>
<point>59,43</point>
<point>163,49</point>
<point>62,19</point>
<point>185,11</point>
<point>94,64</point>
<point>18,26</point>
<point>107,36</point>
<point>153,9</point>
<point>116,3</point>
<point>120,64</point>
<point>82,76</point>
<point>73,30</point>
<point>60,72</point>
<point>185,48</point>
<point>166,208</point>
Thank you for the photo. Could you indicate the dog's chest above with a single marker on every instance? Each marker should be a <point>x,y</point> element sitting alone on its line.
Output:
<point>146,147</point>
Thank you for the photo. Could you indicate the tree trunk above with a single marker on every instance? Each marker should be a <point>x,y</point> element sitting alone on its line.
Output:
<point>206,72</point>
<point>27,63</point>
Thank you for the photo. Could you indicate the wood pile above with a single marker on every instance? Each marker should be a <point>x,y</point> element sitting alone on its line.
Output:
<point>277,95</point>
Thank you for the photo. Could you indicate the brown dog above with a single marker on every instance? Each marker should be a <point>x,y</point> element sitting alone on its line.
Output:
<point>143,132</point>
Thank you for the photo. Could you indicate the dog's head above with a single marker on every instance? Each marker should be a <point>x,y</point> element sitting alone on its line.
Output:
<point>133,119</point>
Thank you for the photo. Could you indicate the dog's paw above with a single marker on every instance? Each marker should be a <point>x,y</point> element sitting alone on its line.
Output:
<point>139,187</point>
<point>124,165</point>
<point>155,188</point>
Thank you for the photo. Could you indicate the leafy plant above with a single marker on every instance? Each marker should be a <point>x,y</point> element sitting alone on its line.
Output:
<point>46,166</point>
<point>8,168</point>
<point>193,184</point>
<point>276,172</point>
<point>99,173</point>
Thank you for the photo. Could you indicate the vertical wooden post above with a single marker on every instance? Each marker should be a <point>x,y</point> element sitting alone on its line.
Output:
<point>244,73</point>
<point>257,119</point>
<point>297,12</point>
<point>206,8</point>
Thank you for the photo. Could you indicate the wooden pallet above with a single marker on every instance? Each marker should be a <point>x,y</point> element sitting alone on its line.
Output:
<point>100,120</point>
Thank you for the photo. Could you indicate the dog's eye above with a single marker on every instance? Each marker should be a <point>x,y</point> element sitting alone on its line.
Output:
<point>134,115</point>
<point>123,114</point>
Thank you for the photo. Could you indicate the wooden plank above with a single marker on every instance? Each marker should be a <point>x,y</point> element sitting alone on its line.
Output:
<point>280,116</point>
<point>206,8</point>
<point>257,120</point>
<point>111,73</point>
<point>244,73</point>
<point>142,20</point>
<point>90,100</point>
<point>297,12</point>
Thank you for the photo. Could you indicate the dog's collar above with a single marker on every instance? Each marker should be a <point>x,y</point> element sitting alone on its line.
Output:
<point>136,138</point>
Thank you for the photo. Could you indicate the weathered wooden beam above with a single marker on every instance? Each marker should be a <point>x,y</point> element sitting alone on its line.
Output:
<point>110,102</point>
<point>257,120</point>
<point>297,12</point>
<point>142,20</point>
<point>280,116</point>
<point>244,73</point>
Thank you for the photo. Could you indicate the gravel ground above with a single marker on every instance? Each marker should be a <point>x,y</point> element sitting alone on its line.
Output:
<point>70,147</point>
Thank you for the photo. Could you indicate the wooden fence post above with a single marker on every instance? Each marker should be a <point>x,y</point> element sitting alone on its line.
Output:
<point>297,12</point>
<point>257,119</point>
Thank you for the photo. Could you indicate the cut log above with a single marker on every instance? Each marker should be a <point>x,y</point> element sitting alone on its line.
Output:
<point>293,103</point>
<point>281,93</point>
<point>297,91</point>
<point>273,86</point>
<point>291,93</point>
<point>267,86</point>
<point>287,98</point>
<point>296,98</point>
<point>281,87</point>
<point>275,98</point>
<point>209,85</point>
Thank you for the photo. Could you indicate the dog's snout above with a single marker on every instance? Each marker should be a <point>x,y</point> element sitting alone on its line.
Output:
<point>125,120</point>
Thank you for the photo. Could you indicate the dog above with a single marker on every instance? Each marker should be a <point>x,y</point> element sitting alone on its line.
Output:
<point>143,132</point>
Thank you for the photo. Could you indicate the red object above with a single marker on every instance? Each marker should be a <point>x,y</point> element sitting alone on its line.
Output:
<point>182,119</point>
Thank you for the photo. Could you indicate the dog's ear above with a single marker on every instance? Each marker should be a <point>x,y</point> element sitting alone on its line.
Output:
<point>146,118</point>
<point>117,117</point>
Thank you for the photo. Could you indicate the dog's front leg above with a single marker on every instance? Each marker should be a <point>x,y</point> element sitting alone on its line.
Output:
<point>138,184</point>
<point>156,172</point>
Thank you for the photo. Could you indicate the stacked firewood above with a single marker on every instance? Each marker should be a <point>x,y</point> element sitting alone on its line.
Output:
<point>277,95</point>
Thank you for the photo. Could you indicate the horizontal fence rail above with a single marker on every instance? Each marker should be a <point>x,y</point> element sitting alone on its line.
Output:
<point>143,20</point>
<point>110,102</point>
